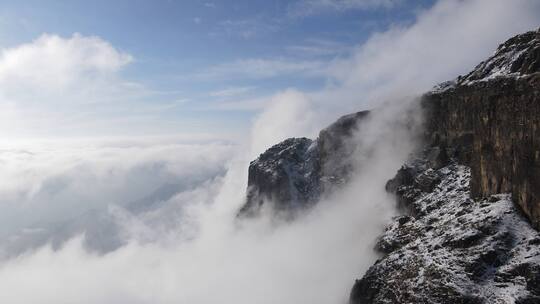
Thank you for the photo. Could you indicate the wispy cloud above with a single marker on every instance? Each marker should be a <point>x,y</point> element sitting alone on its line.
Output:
<point>248,104</point>
<point>258,68</point>
<point>305,8</point>
<point>318,47</point>
<point>231,91</point>
<point>249,27</point>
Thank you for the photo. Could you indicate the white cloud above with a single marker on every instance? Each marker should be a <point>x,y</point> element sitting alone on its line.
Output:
<point>285,115</point>
<point>447,40</point>
<point>313,260</point>
<point>52,182</point>
<point>55,63</point>
<point>74,86</point>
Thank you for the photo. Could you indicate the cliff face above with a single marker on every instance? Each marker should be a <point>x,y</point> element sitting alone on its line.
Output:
<point>463,240</point>
<point>293,174</point>
<point>490,121</point>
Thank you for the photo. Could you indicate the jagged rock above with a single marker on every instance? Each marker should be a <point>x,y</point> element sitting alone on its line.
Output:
<point>454,250</point>
<point>286,175</point>
<point>293,174</point>
<point>427,180</point>
<point>404,177</point>
<point>489,120</point>
<point>401,232</point>
<point>519,55</point>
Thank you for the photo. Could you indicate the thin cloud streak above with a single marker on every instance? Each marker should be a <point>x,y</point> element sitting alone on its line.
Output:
<point>258,68</point>
<point>305,8</point>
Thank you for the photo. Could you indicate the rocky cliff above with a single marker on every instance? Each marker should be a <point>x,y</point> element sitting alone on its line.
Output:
<point>468,199</point>
<point>490,121</point>
<point>462,239</point>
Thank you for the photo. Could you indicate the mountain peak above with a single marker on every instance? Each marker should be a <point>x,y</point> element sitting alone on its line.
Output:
<point>518,56</point>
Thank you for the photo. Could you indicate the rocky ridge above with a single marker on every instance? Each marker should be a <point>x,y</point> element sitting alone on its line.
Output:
<point>293,174</point>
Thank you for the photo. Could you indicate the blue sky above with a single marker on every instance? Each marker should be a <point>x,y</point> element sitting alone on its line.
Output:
<point>197,56</point>
<point>212,69</point>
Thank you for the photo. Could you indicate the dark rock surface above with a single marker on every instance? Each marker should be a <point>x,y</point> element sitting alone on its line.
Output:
<point>286,175</point>
<point>293,174</point>
<point>452,249</point>
<point>336,149</point>
<point>490,121</point>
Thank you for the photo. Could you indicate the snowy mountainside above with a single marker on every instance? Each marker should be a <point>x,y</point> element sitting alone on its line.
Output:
<point>518,56</point>
<point>450,248</point>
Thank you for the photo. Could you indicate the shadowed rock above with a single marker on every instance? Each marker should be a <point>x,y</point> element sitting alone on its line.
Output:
<point>293,174</point>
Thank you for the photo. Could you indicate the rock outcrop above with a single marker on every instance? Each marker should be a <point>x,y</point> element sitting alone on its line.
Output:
<point>293,174</point>
<point>490,121</point>
<point>286,175</point>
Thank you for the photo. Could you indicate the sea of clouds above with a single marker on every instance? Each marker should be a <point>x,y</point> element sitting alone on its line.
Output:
<point>154,221</point>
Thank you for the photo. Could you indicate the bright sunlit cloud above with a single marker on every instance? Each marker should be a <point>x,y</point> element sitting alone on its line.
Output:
<point>53,63</point>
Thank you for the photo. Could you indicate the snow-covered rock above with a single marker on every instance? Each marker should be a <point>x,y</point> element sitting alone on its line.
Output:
<point>517,57</point>
<point>451,248</point>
